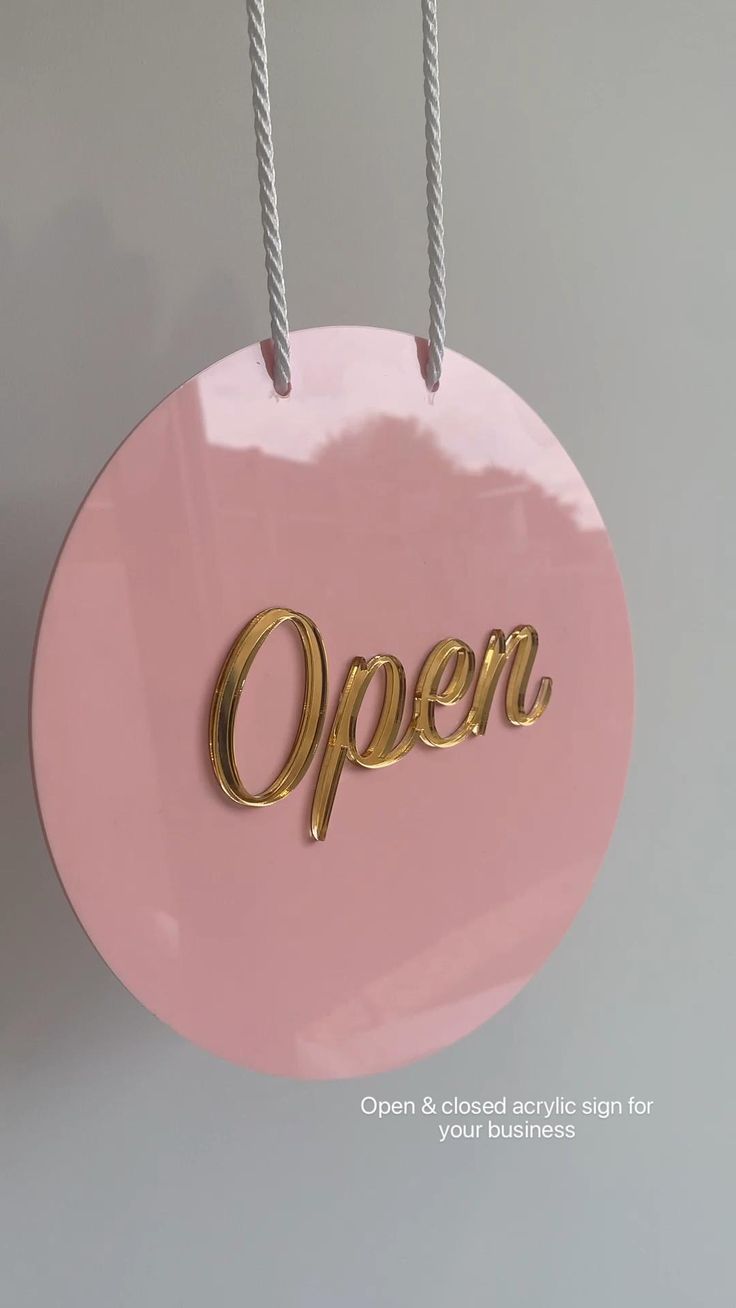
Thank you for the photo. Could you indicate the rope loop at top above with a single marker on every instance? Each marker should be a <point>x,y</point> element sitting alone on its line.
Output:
<point>435,227</point>
<point>267,192</point>
<point>269,206</point>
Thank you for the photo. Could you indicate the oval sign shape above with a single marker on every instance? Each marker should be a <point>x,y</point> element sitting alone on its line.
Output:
<point>461,616</point>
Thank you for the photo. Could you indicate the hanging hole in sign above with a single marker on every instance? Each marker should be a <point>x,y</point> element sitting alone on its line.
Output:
<point>267,353</point>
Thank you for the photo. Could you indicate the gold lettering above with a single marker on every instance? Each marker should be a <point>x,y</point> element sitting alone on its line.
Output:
<point>382,750</point>
<point>458,656</point>
<point>521,646</point>
<point>227,697</point>
<point>444,679</point>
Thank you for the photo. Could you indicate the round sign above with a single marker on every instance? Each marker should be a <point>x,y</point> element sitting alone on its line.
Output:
<point>332,705</point>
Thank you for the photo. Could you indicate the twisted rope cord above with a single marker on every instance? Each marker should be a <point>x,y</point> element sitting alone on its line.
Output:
<point>267,194</point>
<point>435,227</point>
<point>269,206</point>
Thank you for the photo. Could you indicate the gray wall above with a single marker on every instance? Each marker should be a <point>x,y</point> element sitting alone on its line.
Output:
<point>590,220</point>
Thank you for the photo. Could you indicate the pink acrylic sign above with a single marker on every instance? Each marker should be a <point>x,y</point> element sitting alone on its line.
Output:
<point>393,519</point>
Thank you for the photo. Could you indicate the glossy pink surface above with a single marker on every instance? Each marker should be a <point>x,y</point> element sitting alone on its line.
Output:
<point>393,519</point>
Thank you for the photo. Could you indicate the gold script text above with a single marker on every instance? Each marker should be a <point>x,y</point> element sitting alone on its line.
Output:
<point>445,678</point>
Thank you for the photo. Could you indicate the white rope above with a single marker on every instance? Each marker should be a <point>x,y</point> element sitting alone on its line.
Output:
<point>435,228</point>
<point>267,191</point>
<point>269,207</point>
